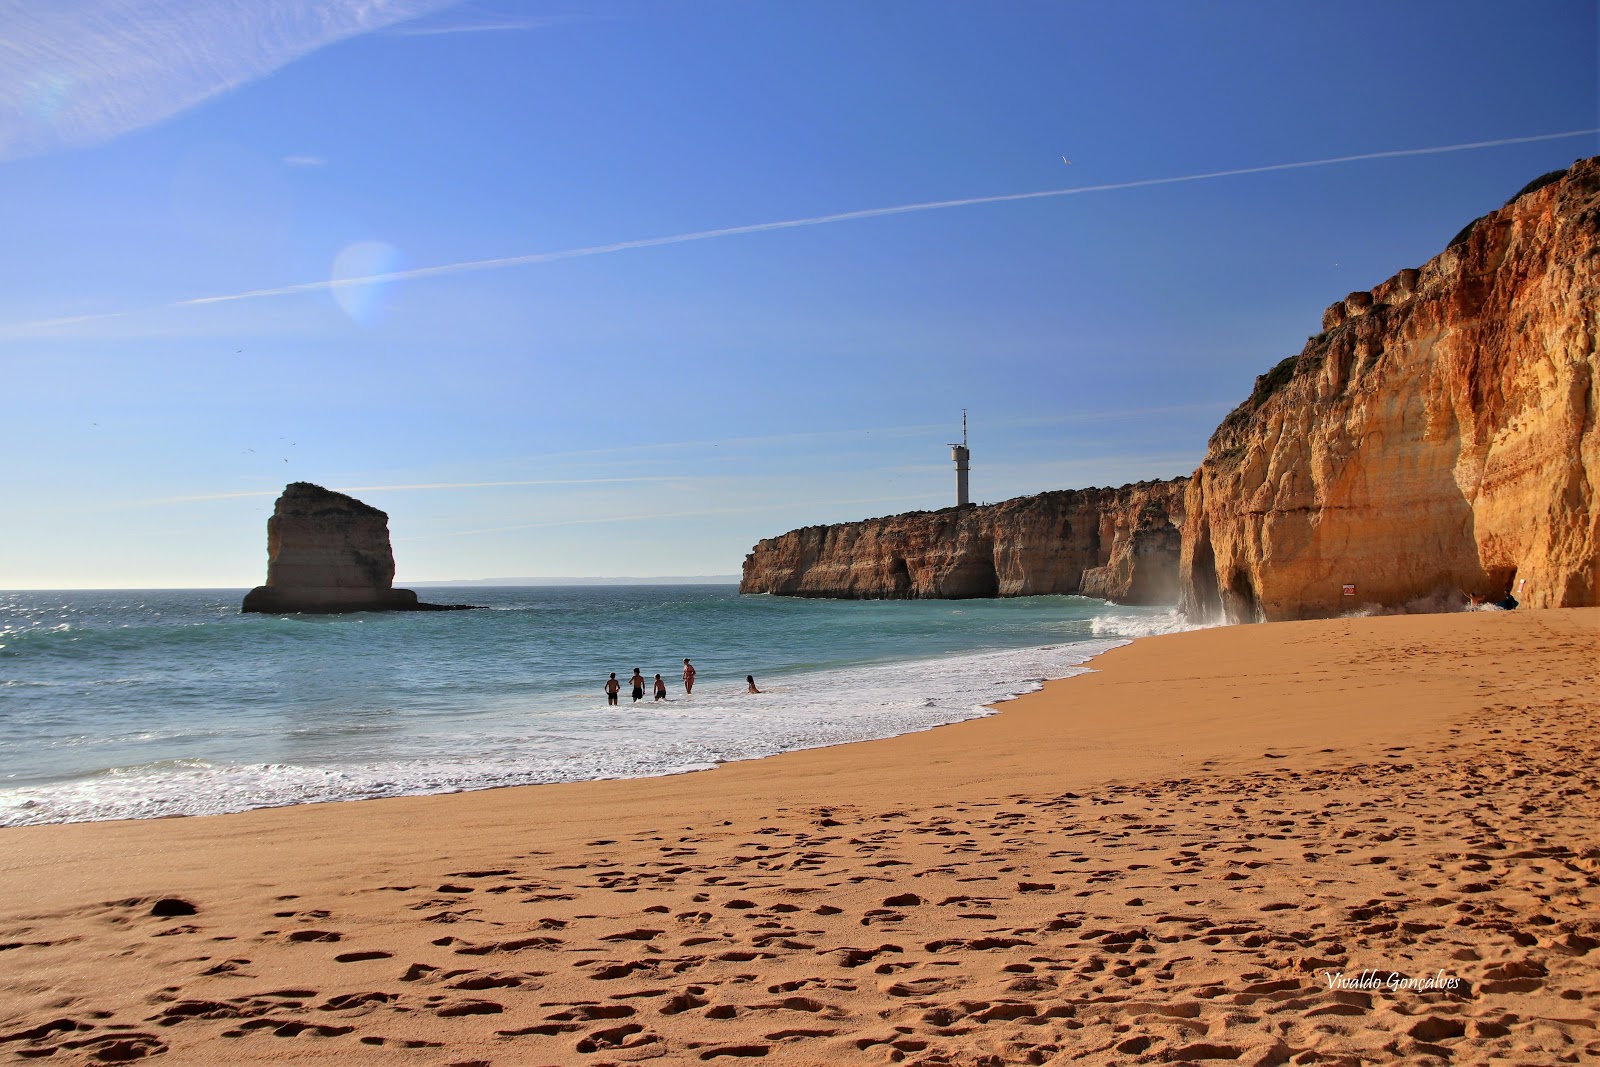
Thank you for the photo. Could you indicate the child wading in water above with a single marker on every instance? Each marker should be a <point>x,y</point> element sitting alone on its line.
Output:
<point>661,688</point>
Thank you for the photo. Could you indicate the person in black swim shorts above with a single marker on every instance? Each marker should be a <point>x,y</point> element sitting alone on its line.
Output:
<point>637,681</point>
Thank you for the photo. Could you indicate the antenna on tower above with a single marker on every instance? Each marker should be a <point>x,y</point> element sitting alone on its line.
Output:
<point>962,455</point>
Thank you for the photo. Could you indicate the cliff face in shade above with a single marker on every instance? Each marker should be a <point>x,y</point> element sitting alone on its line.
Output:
<point>1439,435</point>
<point>1119,544</point>
<point>329,553</point>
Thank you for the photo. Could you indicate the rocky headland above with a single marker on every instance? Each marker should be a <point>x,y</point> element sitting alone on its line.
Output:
<point>1439,436</point>
<point>1119,544</point>
<point>329,553</point>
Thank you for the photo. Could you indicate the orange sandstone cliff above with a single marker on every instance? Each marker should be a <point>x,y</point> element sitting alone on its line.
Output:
<point>1439,435</point>
<point>1117,544</point>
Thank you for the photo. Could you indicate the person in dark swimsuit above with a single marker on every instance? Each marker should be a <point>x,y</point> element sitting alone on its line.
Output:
<point>612,687</point>
<point>637,681</point>
<point>661,688</point>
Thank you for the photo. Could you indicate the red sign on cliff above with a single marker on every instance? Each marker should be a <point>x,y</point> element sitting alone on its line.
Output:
<point>1349,589</point>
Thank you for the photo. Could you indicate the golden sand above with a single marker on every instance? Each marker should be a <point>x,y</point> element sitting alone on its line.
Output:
<point>1164,861</point>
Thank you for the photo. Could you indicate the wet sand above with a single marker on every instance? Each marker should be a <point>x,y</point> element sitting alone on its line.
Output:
<point>1163,861</point>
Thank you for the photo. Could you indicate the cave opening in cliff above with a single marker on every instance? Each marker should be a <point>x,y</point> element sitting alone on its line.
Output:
<point>1207,600</point>
<point>899,576</point>
<point>1239,599</point>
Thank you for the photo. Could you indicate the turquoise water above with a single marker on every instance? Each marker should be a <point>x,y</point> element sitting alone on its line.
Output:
<point>131,704</point>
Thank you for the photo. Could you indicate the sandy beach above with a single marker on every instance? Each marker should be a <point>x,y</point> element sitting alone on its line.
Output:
<point>1217,847</point>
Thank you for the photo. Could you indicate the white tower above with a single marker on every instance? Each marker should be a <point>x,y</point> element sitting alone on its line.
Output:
<point>961,455</point>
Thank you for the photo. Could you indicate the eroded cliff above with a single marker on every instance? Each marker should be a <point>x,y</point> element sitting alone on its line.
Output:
<point>328,553</point>
<point>1439,435</point>
<point>1118,544</point>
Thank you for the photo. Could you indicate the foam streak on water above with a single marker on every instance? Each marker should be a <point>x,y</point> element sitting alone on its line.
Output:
<point>153,704</point>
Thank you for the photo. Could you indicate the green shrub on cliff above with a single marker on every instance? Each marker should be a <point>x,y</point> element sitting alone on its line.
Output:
<point>1538,183</point>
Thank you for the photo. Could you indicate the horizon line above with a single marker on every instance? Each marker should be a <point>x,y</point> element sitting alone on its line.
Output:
<point>636,579</point>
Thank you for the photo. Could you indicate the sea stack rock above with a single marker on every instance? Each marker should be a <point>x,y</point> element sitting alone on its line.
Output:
<point>329,553</point>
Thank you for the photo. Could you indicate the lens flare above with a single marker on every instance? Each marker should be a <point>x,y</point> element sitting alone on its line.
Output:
<point>45,97</point>
<point>358,283</point>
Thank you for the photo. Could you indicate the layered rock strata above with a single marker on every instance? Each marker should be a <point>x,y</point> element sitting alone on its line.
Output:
<point>1439,435</point>
<point>329,553</point>
<point>1118,544</point>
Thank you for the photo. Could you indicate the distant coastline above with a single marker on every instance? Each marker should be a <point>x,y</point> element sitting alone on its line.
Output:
<point>669,579</point>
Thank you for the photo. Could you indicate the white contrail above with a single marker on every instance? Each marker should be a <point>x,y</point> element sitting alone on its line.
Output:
<point>791,224</point>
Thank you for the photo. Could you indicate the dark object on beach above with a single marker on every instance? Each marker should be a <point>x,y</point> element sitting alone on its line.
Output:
<point>171,907</point>
<point>1509,603</point>
<point>329,553</point>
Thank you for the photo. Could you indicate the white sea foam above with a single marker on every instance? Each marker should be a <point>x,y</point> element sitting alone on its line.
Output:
<point>581,739</point>
<point>1115,624</point>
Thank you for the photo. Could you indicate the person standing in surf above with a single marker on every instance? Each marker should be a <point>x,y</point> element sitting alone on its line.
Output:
<point>612,688</point>
<point>688,677</point>
<point>637,681</point>
<point>661,688</point>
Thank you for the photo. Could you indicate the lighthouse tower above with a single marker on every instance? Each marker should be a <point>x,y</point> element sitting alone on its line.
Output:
<point>961,455</point>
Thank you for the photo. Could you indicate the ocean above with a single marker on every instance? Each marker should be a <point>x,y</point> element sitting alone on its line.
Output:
<point>135,704</point>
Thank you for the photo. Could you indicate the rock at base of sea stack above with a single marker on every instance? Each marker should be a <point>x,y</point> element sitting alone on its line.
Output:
<point>329,553</point>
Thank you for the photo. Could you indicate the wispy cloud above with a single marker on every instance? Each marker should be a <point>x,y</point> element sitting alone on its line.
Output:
<point>739,445</point>
<point>936,430</point>
<point>481,24</point>
<point>244,493</point>
<point>603,520</point>
<point>530,259</point>
<point>74,74</point>
<point>304,161</point>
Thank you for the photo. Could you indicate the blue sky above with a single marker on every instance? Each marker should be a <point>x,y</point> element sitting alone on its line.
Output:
<point>655,410</point>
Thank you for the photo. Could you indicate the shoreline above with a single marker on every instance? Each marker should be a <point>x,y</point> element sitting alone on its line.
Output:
<point>1116,800</point>
<point>827,714</point>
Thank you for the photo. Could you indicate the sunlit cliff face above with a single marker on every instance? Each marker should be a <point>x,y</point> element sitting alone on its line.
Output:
<point>1438,439</point>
